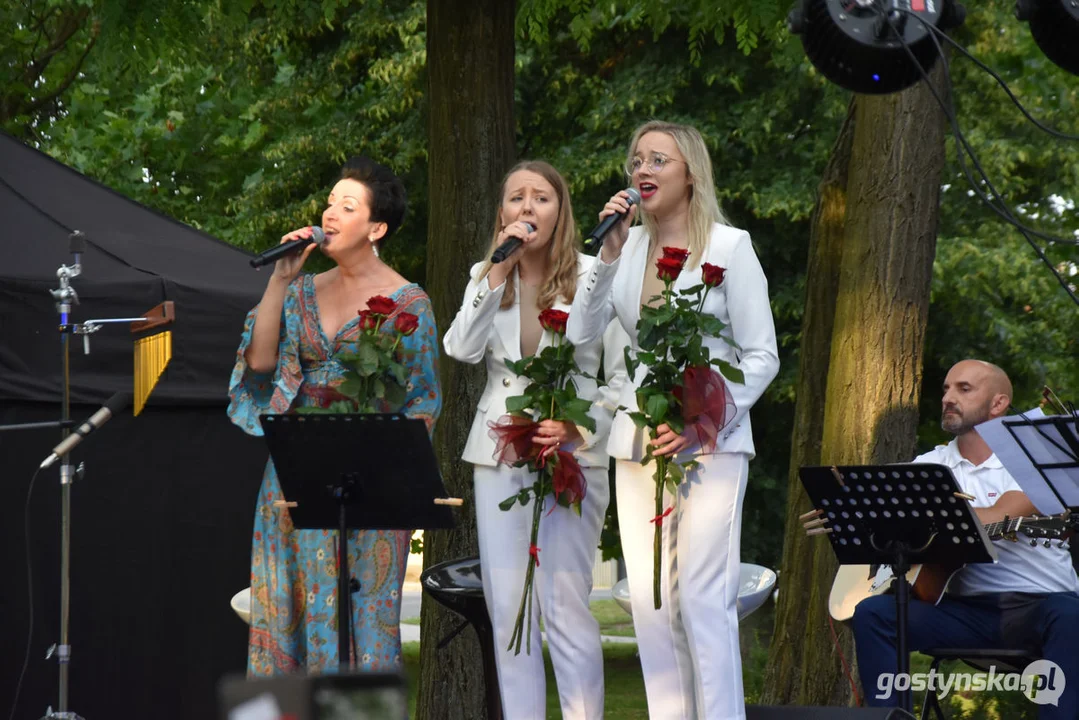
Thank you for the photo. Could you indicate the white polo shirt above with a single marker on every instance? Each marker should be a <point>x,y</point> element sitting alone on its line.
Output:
<point>1019,567</point>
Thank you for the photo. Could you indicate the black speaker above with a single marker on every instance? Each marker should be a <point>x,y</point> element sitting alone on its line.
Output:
<point>757,712</point>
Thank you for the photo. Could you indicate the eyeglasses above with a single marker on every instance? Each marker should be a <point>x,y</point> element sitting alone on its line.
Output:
<point>655,165</point>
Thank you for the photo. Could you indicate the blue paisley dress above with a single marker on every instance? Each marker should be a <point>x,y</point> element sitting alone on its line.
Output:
<point>293,572</point>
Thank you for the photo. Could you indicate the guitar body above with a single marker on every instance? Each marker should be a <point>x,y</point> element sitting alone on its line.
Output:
<point>853,583</point>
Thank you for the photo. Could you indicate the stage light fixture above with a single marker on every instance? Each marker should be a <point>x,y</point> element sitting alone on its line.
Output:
<point>858,44</point>
<point>1054,24</point>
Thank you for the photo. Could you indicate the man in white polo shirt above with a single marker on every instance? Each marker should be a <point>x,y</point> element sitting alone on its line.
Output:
<point>1028,599</point>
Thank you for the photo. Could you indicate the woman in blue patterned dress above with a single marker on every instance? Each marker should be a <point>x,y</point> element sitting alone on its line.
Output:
<point>287,359</point>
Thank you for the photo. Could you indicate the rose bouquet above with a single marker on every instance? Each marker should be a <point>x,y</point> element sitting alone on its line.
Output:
<point>550,395</point>
<point>375,378</point>
<point>681,389</point>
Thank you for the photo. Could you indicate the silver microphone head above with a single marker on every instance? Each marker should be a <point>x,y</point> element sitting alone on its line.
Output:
<point>634,196</point>
<point>530,226</point>
<point>317,235</point>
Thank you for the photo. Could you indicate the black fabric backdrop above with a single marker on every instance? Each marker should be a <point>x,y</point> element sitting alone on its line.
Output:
<point>161,523</point>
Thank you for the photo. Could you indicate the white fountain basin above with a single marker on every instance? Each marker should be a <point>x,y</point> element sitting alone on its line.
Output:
<point>241,604</point>
<point>756,583</point>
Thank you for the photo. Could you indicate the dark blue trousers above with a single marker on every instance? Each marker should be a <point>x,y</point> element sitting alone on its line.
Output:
<point>1048,625</point>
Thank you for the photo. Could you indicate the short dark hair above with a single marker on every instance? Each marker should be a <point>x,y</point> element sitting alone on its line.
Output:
<point>385,190</point>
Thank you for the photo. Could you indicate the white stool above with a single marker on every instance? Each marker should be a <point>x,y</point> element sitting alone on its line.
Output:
<point>241,604</point>
<point>755,585</point>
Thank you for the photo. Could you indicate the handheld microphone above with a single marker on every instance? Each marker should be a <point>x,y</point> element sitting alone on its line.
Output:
<point>507,248</point>
<point>113,405</point>
<point>277,252</point>
<point>595,238</point>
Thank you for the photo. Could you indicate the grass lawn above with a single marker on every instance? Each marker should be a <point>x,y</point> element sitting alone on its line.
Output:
<point>624,684</point>
<point>613,620</point>
<point>623,692</point>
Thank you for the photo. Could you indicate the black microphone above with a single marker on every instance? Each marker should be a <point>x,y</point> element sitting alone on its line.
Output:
<point>113,405</point>
<point>507,248</point>
<point>279,251</point>
<point>595,238</point>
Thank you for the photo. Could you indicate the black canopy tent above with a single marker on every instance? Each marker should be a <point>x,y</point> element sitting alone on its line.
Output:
<point>161,523</point>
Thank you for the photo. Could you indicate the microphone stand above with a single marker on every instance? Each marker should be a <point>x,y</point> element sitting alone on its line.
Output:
<point>65,296</point>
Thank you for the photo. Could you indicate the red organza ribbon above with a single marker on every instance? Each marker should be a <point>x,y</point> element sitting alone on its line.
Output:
<point>534,551</point>
<point>658,519</point>
<point>324,396</point>
<point>706,405</point>
<point>513,439</point>
<point>568,479</point>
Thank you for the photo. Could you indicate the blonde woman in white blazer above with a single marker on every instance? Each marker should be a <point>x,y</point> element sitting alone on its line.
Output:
<point>689,647</point>
<point>498,321</point>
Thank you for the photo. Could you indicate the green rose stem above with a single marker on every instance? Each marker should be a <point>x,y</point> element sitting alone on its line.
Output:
<point>526,596</point>
<point>657,543</point>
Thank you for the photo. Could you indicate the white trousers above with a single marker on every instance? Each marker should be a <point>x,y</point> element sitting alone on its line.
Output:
<point>562,584</point>
<point>689,647</point>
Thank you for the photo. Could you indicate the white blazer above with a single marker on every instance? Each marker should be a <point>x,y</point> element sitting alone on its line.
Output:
<point>740,302</point>
<point>483,331</point>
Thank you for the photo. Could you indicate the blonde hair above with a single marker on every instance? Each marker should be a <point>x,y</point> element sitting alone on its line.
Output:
<point>703,207</point>
<point>561,276</point>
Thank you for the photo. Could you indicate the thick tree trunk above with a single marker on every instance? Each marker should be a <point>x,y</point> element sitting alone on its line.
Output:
<point>798,645</point>
<point>871,261</point>
<point>470,65</point>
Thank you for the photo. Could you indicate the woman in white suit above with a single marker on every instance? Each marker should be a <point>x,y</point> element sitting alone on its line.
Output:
<point>689,647</point>
<point>499,321</point>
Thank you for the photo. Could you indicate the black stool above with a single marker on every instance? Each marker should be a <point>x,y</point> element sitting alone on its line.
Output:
<point>458,585</point>
<point>1007,660</point>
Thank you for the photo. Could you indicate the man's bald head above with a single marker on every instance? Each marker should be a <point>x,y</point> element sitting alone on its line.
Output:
<point>974,391</point>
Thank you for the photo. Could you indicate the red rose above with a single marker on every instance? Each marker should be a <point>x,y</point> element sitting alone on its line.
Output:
<point>406,323</point>
<point>369,320</point>
<point>381,305</point>
<point>679,254</point>
<point>669,269</point>
<point>554,320</point>
<point>712,274</point>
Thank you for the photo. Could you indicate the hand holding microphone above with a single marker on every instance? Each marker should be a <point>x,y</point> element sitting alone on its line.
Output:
<point>291,253</point>
<point>512,237</point>
<point>614,221</point>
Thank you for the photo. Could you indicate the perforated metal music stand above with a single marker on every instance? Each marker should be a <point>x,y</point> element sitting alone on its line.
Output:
<point>897,515</point>
<point>359,472</point>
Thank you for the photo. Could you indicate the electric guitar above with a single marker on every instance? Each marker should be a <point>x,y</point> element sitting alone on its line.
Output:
<point>854,583</point>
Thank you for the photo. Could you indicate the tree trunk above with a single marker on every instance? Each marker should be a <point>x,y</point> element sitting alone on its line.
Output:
<point>798,645</point>
<point>870,266</point>
<point>470,66</point>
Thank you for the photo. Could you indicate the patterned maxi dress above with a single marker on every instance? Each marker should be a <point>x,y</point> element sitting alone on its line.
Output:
<point>293,572</point>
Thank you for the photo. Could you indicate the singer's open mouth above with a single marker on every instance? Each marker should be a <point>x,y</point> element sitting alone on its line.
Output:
<point>647,190</point>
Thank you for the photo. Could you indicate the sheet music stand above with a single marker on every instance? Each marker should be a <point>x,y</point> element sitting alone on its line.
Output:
<point>896,515</point>
<point>358,472</point>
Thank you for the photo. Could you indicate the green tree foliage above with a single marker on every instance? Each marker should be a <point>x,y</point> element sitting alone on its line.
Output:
<point>234,117</point>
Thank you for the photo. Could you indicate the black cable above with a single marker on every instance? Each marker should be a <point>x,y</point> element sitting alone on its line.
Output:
<point>1009,216</point>
<point>994,75</point>
<point>961,143</point>
<point>29,596</point>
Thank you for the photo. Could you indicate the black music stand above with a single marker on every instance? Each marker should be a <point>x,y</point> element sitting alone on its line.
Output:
<point>358,472</point>
<point>896,515</point>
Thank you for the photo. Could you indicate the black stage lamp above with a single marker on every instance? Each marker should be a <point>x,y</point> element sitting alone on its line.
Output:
<point>1055,27</point>
<point>856,43</point>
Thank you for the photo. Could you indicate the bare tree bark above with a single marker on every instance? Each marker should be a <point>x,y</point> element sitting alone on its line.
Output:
<point>870,266</point>
<point>470,65</point>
